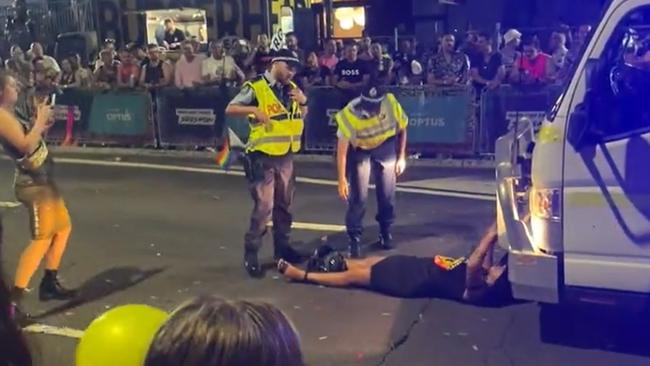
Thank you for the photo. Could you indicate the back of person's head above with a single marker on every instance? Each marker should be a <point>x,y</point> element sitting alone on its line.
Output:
<point>13,348</point>
<point>209,331</point>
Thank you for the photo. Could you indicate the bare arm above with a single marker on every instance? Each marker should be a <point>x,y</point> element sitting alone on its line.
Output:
<point>120,83</point>
<point>167,74</point>
<point>475,284</point>
<point>250,59</point>
<point>402,143</point>
<point>11,131</point>
<point>342,157</point>
<point>143,71</point>
<point>477,77</point>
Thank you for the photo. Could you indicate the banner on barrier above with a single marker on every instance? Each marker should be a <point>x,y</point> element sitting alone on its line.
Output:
<point>77,101</point>
<point>190,117</point>
<point>440,120</point>
<point>320,126</point>
<point>114,114</point>
<point>438,117</point>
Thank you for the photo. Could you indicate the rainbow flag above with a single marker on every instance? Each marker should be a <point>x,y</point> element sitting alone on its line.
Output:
<point>232,147</point>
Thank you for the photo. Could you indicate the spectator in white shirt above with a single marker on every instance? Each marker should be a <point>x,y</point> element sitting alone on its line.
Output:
<point>49,63</point>
<point>220,68</point>
<point>188,68</point>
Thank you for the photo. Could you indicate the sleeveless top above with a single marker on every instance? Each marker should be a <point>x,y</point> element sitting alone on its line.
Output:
<point>35,169</point>
<point>153,74</point>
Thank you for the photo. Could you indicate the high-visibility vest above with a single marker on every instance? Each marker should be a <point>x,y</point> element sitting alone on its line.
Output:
<point>283,134</point>
<point>369,133</point>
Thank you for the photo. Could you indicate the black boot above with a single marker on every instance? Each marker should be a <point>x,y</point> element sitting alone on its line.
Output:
<point>21,318</point>
<point>355,247</point>
<point>51,289</point>
<point>252,264</point>
<point>386,241</point>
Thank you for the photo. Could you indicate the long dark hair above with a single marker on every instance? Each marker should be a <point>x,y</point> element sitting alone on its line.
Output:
<point>13,348</point>
<point>209,331</point>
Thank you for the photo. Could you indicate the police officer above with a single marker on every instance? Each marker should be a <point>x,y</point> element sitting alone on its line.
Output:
<point>371,137</point>
<point>276,107</point>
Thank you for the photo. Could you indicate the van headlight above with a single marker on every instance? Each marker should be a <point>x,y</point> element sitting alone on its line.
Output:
<point>546,204</point>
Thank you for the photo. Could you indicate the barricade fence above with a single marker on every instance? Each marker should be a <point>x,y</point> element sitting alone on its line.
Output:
<point>441,120</point>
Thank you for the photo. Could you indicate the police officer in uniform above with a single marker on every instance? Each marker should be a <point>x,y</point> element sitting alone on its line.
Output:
<point>276,108</point>
<point>371,137</point>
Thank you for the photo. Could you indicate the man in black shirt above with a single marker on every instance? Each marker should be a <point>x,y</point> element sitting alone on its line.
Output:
<point>351,74</point>
<point>173,36</point>
<point>487,67</point>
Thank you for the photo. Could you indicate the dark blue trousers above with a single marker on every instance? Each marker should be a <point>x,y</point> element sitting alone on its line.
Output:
<point>381,162</point>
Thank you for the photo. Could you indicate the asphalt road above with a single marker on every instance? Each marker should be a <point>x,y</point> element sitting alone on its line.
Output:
<point>160,237</point>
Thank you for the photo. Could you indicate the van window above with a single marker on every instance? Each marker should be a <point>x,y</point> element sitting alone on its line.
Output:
<point>623,80</point>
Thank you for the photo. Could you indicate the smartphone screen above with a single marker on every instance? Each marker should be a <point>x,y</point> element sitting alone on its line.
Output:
<point>53,99</point>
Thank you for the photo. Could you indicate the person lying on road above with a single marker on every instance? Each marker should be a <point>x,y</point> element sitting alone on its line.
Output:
<point>475,280</point>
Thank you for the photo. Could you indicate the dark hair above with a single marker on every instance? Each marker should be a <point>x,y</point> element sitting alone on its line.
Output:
<point>209,331</point>
<point>152,46</point>
<point>168,21</point>
<point>484,35</point>
<point>13,347</point>
<point>532,41</point>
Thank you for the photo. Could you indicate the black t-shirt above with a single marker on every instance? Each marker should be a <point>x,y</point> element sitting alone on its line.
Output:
<point>352,72</point>
<point>177,36</point>
<point>488,69</point>
<point>409,277</point>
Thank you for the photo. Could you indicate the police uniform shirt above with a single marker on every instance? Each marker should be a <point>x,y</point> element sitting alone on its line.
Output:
<point>247,97</point>
<point>355,107</point>
<point>352,72</point>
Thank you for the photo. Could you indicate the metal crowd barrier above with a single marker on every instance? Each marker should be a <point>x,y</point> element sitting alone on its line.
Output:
<point>441,120</point>
<point>107,118</point>
<point>500,108</point>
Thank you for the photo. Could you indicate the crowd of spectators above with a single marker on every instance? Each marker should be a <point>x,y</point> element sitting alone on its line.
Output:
<point>482,60</point>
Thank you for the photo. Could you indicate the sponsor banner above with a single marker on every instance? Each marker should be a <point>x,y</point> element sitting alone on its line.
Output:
<point>191,117</point>
<point>440,120</point>
<point>120,117</point>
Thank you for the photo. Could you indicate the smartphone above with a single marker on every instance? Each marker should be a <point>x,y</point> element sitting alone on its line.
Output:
<point>53,99</point>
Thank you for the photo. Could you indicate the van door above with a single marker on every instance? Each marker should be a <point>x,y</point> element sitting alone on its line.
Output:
<point>606,202</point>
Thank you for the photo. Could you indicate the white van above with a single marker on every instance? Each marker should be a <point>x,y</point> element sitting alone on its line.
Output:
<point>574,197</point>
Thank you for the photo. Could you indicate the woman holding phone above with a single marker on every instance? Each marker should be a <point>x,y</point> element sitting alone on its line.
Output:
<point>22,139</point>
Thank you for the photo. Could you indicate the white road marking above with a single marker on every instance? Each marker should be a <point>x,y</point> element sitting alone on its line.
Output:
<point>239,173</point>
<point>56,331</point>
<point>314,226</point>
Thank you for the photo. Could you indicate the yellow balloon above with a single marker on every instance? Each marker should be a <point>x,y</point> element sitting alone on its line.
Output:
<point>121,336</point>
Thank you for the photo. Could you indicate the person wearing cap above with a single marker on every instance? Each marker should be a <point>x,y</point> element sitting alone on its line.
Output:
<point>275,107</point>
<point>371,137</point>
<point>510,51</point>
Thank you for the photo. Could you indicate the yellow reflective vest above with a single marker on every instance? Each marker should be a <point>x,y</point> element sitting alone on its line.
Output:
<point>369,133</point>
<point>283,134</point>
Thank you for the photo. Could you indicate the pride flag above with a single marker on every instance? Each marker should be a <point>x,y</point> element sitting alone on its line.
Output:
<point>232,147</point>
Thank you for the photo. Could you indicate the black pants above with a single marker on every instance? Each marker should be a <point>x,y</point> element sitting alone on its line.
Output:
<point>272,185</point>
